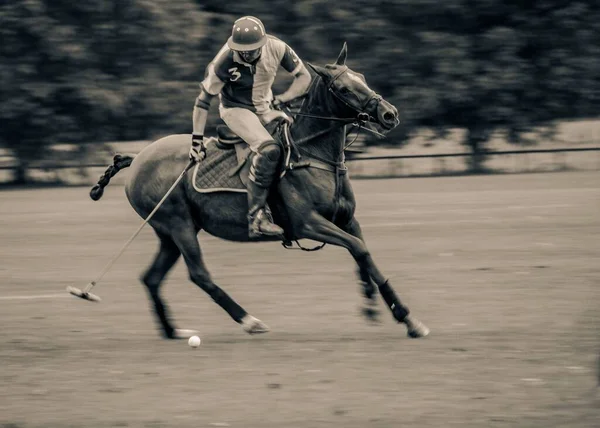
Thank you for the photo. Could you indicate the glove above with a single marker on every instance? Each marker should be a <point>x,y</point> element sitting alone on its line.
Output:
<point>284,116</point>
<point>277,103</point>
<point>277,106</point>
<point>198,150</point>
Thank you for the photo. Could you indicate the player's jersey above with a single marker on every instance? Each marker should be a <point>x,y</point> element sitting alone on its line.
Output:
<point>245,85</point>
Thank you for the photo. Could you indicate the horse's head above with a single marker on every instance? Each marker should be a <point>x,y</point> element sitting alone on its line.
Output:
<point>353,96</point>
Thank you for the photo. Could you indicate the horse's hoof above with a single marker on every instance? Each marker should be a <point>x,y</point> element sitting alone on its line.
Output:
<point>252,325</point>
<point>184,333</point>
<point>371,312</point>
<point>372,315</point>
<point>416,328</point>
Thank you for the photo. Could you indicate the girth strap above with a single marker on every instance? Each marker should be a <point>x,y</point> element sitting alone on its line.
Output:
<point>314,163</point>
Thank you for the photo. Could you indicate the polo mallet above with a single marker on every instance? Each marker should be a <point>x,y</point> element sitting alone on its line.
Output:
<point>86,294</point>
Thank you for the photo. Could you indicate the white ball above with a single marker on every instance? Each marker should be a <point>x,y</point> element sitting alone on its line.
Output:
<point>194,341</point>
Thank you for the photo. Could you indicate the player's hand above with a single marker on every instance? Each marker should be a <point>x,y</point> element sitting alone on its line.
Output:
<point>277,103</point>
<point>198,149</point>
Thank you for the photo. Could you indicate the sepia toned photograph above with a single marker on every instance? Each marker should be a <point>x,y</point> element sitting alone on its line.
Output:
<point>299,214</point>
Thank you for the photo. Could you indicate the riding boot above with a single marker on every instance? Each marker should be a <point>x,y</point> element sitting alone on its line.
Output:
<point>260,221</point>
<point>262,172</point>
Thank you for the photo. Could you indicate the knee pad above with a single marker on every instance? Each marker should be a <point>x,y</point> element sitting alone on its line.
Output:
<point>270,149</point>
<point>264,163</point>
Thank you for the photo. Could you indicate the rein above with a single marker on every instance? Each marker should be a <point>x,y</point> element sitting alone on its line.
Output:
<point>360,120</point>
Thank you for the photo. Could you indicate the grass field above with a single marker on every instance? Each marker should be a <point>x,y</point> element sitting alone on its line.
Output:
<point>503,269</point>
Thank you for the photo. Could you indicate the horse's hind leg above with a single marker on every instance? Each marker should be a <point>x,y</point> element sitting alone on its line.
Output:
<point>369,289</point>
<point>187,242</point>
<point>320,229</point>
<point>165,259</point>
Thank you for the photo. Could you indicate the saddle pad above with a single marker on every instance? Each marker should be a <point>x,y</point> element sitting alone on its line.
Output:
<point>214,173</point>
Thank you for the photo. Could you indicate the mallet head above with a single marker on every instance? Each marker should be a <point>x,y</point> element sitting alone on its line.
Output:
<point>85,295</point>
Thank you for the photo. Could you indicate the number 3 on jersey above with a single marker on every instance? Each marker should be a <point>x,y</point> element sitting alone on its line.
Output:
<point>234,73</point>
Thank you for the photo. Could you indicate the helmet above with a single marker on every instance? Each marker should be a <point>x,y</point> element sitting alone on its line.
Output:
<point>248,34</point>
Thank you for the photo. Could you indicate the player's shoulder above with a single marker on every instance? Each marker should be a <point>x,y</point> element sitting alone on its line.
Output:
<point>276,43</point>
<point>224,58</point>
<point>278,48</point>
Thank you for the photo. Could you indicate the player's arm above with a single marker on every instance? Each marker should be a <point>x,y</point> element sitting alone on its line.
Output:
<point>209,88</point>
<point>200,113</point>
<point>292,64</point>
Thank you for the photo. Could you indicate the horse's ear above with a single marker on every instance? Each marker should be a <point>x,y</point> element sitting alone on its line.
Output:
<point>343,55</point>
<point>319,70</point>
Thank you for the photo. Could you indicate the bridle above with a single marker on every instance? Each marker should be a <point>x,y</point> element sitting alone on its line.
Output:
<point>360,120</point>
<point>362,115</point>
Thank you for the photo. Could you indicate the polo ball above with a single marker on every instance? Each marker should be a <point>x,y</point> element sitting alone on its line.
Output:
<point>194,341</point>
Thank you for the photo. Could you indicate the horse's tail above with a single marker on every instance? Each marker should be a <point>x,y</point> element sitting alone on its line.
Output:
<point>119,162</point>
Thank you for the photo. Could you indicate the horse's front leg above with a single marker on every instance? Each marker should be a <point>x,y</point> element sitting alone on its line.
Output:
<point>368,288</point>
<point>320,229</point>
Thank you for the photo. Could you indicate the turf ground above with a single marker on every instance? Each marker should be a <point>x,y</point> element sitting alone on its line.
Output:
<point>503,269</point>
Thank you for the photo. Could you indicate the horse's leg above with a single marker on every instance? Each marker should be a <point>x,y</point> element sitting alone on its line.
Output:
<point>187,241</point>
<point>165,259</point>
<point>369,289</point>
<point>320,229</point>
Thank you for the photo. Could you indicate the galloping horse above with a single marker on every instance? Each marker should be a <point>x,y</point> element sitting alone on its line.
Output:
<point>312,198</point>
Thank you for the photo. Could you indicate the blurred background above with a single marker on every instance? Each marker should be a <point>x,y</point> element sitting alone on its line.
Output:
<point>502,267</point>
<point>78,78</point>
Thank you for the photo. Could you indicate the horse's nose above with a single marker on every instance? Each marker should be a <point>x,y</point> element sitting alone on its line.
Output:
<point>388,115</point>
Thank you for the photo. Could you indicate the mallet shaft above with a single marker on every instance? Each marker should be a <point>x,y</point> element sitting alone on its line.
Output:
<point>114,259</point>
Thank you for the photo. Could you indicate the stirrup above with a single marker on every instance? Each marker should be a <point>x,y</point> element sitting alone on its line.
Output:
<point>260,217</point>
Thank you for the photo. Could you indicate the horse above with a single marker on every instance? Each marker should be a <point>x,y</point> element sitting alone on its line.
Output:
<point>312,198</point>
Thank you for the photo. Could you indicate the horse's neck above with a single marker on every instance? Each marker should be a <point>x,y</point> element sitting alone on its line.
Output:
<point>329,144</point>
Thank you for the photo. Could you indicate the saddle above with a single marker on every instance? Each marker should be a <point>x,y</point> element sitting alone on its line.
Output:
<point>227,140</point>
<point>227,166</point>
<point>227,137</point>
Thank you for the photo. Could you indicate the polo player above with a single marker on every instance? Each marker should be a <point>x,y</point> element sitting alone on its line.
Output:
<point>242,75</point>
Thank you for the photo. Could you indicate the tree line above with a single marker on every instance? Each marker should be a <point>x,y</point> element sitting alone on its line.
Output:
<point>108,70</point>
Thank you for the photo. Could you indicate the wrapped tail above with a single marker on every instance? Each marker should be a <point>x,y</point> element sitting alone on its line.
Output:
<point>119,162</point>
